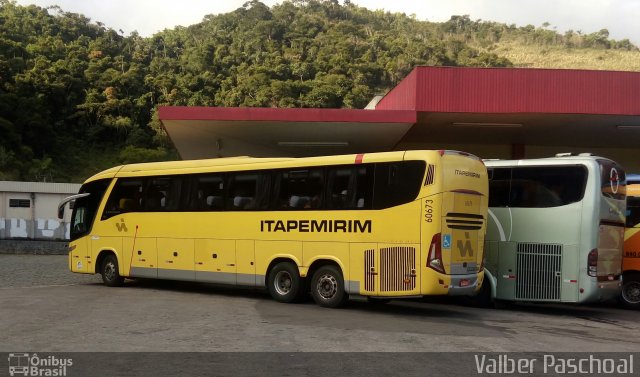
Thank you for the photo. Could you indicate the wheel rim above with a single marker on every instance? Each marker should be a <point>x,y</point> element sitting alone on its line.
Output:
<point>110,271</point>
<point>282,283</point>
<point>327,286</point>
<point>631,292</point>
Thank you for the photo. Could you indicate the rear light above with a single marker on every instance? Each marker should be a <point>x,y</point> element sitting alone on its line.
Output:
<point>434,260</point>
<point>592,263</point>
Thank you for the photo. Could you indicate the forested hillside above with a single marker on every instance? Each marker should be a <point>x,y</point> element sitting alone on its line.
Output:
<point>77,96</point>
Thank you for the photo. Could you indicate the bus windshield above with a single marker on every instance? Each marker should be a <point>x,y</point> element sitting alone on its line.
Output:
<point>85,208</point>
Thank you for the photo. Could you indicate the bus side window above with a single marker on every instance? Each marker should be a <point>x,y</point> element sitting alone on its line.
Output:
<point>364,187</point>
<point>299,189</point>
<point>163,194</point>
<point>340,190</point>
<point>499,187</point>
<point>397,183</point>
<point>249,191</point>
<point>126,196</point>
<point>209,194</point>
<point>350,187</point>
<point>545,187</point>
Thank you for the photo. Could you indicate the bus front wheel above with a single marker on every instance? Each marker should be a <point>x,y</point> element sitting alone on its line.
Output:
<point>109,271</point>
<point>631,291</point>
<point>327,287</point>
<point>284,282</point>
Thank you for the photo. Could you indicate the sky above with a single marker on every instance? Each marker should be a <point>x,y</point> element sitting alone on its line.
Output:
<point>147,17</point>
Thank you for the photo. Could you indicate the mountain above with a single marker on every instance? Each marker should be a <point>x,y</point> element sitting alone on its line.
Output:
<point>77,97</point>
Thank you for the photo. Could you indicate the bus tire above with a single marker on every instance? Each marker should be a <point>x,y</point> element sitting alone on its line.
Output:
<point>631,291</point>
<point>284,282</point>
<point>327,287</point>
<point>109,271</point>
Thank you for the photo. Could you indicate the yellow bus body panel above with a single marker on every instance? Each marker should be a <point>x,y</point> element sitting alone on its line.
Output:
<point>380,252</point>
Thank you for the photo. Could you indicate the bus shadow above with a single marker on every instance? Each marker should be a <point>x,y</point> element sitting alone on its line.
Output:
<point>429,307</point>
<point>426,307</point>
<point>198,287</point>
<point>607,312</point>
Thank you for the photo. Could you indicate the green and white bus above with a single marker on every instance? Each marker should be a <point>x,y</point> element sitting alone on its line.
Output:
<point>555,230</point>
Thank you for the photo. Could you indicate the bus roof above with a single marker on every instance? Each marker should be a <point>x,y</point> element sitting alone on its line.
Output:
<point>242,163</point>
<point>560,160</point>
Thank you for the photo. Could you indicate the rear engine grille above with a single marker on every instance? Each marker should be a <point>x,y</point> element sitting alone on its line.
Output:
<point>369,268</point>
<point>538,271</point>
<point>464,221</point>
<point>397,269</point>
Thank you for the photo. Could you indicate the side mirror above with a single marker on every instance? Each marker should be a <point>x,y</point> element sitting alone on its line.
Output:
<point>67,200</point>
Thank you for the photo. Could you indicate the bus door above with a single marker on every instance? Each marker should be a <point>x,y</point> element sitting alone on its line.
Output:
<point>79,251</point>
<point>123,219</point>
<point>79,255</point>
<point>82,221</point>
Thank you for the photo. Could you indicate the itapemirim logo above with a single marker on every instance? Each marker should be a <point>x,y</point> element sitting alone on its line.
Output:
<point>24,364</point>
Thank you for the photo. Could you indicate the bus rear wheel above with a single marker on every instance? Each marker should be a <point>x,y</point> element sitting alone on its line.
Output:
<point>284,282</point>
<point>109,271</point>
<point>631,291</point>
<point>327,287</point>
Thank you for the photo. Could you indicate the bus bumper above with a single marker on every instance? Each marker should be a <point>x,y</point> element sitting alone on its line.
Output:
<point>452,285</point>
<point>465,285</point>
<point>600,291</point>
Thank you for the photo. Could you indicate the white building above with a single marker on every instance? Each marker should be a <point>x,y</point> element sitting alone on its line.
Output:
<point>29,210</point>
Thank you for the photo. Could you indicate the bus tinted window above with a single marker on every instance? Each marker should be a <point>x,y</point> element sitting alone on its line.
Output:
<point>499,186</point>
<point>209,195</point>
<point>350,187</point>
<point>364,187</point>
<point>125,197</point>
<point>299,189</point>
<point>633,212</point>
<point>248,191</point>
<point>537,187</point>
<point>613,180</point>
<point>397,183</point>
<point>162,194</point>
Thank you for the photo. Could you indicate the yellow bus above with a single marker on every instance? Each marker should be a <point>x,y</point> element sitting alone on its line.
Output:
<point>380,225</point>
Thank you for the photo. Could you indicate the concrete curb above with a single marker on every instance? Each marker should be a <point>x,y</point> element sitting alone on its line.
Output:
<point>33,247</point>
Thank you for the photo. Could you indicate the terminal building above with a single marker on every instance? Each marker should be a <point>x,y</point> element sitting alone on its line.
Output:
<point>491,112</point>
<point>28,210</point>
